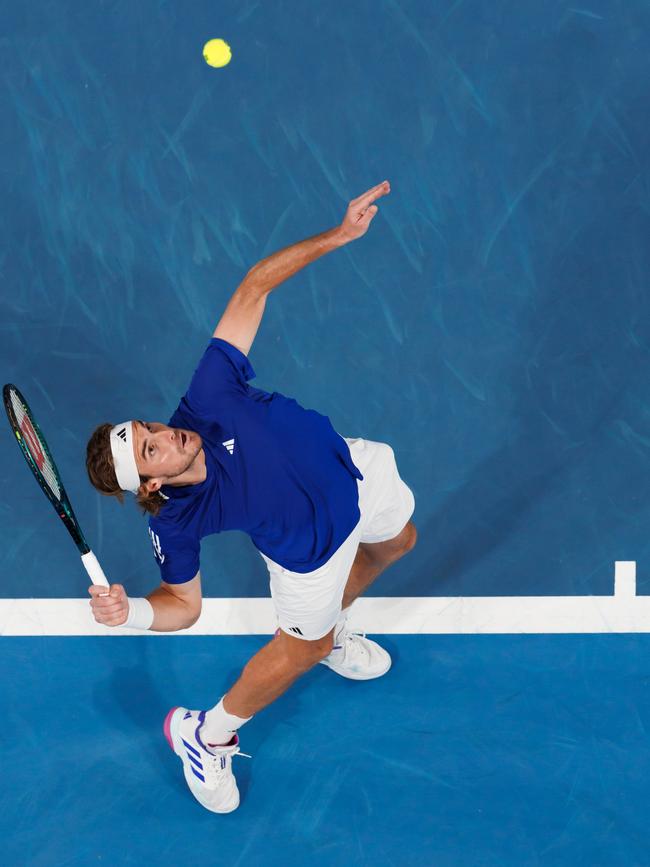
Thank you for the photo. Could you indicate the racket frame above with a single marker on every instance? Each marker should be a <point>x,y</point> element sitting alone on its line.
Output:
<point>62,506</point>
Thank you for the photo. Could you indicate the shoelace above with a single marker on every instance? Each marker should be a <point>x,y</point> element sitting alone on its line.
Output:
<point>213,763</point>
<point>349,643</point>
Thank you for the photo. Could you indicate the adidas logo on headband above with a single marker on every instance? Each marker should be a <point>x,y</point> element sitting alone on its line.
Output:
<point>124,463</point>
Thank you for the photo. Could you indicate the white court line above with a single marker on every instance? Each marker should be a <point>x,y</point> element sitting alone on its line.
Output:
<point>433,615</point>
<point>623,612</point>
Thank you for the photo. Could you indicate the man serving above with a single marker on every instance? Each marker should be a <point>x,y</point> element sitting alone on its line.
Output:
<point>327,513</point>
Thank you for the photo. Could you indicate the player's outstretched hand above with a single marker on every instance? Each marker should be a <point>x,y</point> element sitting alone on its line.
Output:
<point>361,211</point>
<point>111,610</point>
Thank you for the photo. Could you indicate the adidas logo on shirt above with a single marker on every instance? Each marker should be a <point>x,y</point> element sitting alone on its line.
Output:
<point>230,445</point>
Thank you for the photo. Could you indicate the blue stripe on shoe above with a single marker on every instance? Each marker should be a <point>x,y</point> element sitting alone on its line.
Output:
<point>195,760</point>
<point>190,747</point>
<point>197,774</point>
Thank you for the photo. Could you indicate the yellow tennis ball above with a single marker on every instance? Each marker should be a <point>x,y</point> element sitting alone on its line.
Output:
<point>217,52</point>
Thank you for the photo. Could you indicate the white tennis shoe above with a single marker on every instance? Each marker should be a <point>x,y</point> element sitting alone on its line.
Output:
<point>207,770</point>
<point>357,657</point>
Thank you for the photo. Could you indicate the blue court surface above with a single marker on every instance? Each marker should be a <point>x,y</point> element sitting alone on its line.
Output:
<point>493,327</point>
<point>472,750</point>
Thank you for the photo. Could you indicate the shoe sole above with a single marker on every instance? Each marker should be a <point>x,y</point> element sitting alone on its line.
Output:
<point>170,729</point>
<point>357,676</point>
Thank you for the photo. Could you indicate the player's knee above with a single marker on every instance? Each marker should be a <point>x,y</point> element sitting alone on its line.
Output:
<point>193,617</point>
<point>305,654</point>
<point>413,536</point>
<point>322,647</point>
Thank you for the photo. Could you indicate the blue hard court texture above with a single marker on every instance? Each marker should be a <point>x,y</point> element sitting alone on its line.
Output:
<point>472,751</point>
<point>493,326</point>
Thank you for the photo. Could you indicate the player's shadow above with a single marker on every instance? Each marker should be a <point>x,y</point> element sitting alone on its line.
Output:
<point>134,697</point>
<point>131,697</point>
<point>477,519</point>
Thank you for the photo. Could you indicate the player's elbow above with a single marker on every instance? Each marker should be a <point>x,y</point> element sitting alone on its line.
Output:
<point>183,618</point>
<point>193,615</point>
<point>186,601</point>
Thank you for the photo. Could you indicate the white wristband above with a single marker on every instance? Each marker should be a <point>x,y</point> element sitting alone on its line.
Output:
<point>140,614</point>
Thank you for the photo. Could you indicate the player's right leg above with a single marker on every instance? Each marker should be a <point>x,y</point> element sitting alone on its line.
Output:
<point>309,609</point>
<point>272,671</point>
<point>207,766</point>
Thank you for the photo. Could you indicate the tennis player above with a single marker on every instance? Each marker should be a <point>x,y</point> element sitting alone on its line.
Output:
<point>327,514</point>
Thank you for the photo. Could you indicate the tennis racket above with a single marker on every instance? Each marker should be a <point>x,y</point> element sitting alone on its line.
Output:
<point>36,453</point>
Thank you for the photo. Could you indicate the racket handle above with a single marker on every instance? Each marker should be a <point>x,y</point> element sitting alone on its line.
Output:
<point>94,569</point>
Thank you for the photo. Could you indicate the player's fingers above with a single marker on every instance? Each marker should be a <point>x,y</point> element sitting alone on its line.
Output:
<point>98,590</point>
<point>368,200</point>
<point>107,610</point>
<point>117,591</point>
<point>116,621</point>
<point>368,192</point>
<point>104,603</point>
<point>364,218</point>
<point>112,619</point>
<point>372,194</point>
<point>103,599</point>
<point>362,212</point>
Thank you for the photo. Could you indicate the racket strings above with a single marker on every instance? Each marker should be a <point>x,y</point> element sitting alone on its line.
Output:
<point>35,445</point>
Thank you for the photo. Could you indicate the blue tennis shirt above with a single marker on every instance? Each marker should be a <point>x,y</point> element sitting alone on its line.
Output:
<point>275,470</point>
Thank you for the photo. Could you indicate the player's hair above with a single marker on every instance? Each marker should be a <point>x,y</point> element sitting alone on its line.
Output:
<point>101,472</point>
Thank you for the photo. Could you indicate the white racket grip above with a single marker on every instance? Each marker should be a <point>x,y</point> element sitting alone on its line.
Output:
<point>94,569</point>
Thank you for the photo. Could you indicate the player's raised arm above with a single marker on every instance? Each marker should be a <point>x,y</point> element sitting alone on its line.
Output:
<point>270,272</point>
<point>241,318</point>
<point>173,606</point>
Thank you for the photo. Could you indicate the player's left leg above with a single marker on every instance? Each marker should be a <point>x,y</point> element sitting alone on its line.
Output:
<point>353,655</point>
<point>371,560</point>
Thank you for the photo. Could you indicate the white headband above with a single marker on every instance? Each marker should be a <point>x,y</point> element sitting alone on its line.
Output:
<point>126,469</point>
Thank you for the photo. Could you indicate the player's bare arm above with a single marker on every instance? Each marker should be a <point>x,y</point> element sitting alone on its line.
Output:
<point>175,606</point>
<point>242,316</point>
<point>275,269</point>
<point>178,606</point>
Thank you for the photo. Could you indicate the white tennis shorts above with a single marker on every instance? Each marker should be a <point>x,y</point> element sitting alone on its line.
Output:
<point>308,604</point>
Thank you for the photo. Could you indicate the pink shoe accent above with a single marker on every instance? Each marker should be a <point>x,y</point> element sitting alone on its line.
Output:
<point>167,727</point>
<point>234,740</point>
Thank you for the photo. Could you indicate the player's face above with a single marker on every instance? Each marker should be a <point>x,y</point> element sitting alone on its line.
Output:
<point>162,451</point>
